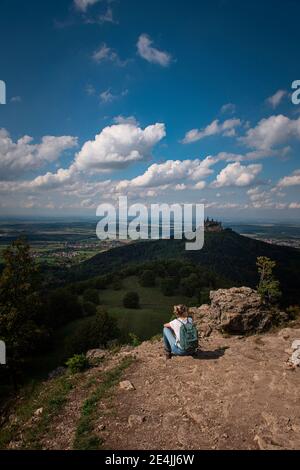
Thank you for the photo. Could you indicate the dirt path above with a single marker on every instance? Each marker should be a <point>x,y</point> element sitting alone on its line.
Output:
<point>237,395</point>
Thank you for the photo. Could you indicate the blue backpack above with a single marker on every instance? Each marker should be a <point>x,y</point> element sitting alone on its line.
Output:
<point>188,336</point>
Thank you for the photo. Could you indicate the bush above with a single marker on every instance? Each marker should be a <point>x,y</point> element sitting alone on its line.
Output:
<point>93,333</point>
<point>131,300</point>
<point>89,309</point>
<point>61,307</point>
<point>77,363</point>
<point>147,278</point>
<point>117,283</point>
<point>168,286</point>
<point>134,340</point>
<point>91,295</point>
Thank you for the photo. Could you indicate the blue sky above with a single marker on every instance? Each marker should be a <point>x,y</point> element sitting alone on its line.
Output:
<point>161,101</point>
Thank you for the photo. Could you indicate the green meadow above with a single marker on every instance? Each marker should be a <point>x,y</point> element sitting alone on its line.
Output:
<point>155,308</point>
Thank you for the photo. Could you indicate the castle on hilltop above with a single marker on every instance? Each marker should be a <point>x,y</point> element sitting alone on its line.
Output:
<point>211,225</point>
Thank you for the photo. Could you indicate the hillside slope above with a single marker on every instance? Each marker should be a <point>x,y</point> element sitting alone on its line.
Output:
<point>237,394</point>
<point>227,253</point>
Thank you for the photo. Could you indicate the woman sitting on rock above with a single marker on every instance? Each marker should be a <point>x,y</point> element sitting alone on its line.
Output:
<point>180,335</point>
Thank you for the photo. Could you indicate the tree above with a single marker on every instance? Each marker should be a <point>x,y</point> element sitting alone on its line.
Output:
<point>94,332</point>
<point>168,286</point>
<point>131,300</point>
<point>61,307</point>
<point>147,278</point>
<point>89,309</point>
<point>268,287</point>
<point>19,306</point>
<point>91,295</point>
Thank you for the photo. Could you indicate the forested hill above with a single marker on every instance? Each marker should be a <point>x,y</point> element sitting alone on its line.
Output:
<point>227,253</point>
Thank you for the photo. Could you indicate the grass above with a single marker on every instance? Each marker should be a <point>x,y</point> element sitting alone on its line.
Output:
<point>85,438</point>
<point>50,396</point>
<point>155,308</point>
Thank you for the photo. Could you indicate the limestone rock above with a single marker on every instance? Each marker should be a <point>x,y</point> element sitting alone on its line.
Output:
<point>135,420</point>
<point>96,354</point>
<point>58,372</point>
<point>294,360</point>
<point>126,385</point>
<point>238,310</point>
<point>38,412</point>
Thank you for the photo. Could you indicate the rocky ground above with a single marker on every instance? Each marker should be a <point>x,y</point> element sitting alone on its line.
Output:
<point>239,392</point>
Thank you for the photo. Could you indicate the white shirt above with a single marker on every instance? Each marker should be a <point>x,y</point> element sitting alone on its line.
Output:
<point>176,325</point>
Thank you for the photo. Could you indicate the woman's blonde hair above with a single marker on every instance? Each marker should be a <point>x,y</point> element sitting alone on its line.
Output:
<point>180,310</point>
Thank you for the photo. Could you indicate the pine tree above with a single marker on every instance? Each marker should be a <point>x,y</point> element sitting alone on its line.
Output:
<point>19,306</point>
<point>268,287</point>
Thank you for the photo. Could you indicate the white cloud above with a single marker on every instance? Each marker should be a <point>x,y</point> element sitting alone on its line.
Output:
<point>273,131</point>
<point>171,172</point>
<point>23,155</point>
<point>200,185</point>
<point>107,96</point>
<point>150,53</point>
<point>119,145</point>
<point>116,147</point>
<point>83,5</point>
<point>276,99</point>
<point>229,108</point>
<point>294,205</point>
<point>107,17</point>
<point>236,174</point>
<point>226,128</point>
<point>292,180</point>
<point>125,120</point>
<point>53,180</point>
<point>105,53</point>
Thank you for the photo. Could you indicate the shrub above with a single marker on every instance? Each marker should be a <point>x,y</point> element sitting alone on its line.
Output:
<point>134,340</point>
<point>92,333</point>
<point>89,309</point>
<point>77,363</point>
<point>131,300</point>
<point>61,308</point>
<point>147,278</point>
<point>91,295</point>
<point>117,283</point>
<point>168,286</point>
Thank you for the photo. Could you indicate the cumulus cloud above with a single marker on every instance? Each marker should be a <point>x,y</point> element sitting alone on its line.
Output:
<point>292,180</point>
<point>171,172</point>
<point>276,99</point>
<point>23,155</point>
<point>271,132</point>
<point>294,205</point>
<point>125,120</point>
<point>150,53</point>
<point>83,5</point>
<point>116,147</point>
<point>236,174</point>
<point>226,128</point>
<point>119,145</point>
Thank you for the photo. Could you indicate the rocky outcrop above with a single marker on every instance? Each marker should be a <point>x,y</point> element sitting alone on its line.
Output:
<point>238,310</point>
